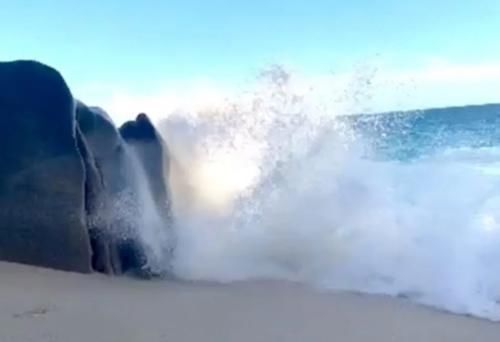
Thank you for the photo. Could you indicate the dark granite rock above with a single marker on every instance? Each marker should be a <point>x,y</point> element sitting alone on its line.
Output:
<point>76,193</point>
<point>42,175</point>
<point>152,155</point>
<point>116,232</point>
<point>104,257</point>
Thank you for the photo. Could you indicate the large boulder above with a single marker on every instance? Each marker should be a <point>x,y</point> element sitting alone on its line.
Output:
<point>153,156</point>
<point>43,217</point>
<point>128,204</point>
<point>76,193</point>
<point>152,169</point>
<point>105,258</point>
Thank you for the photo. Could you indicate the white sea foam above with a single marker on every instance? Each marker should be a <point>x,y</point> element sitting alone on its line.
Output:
<point>273,185</point>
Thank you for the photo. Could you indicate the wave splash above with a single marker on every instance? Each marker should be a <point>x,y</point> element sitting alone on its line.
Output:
<point>275,185</point>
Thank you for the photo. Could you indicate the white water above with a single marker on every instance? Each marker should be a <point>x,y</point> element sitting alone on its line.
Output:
<point>272,186</point>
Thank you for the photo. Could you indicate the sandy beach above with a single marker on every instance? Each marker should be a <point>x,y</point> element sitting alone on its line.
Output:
<point>44,305</point>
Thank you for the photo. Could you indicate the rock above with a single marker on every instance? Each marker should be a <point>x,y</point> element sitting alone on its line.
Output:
<point>104,257</point>
<point>152,154</point>
<point>42,175</point>
<point>76,193</point>
<point>116,233</point>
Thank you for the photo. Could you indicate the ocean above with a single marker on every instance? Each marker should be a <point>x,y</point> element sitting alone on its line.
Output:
<point>275,186</point>
<point>415,134</point>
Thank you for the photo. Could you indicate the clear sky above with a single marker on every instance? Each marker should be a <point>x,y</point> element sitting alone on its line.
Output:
<point>143,45</point>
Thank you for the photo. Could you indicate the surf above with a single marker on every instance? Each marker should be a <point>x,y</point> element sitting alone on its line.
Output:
<point>276,184</point>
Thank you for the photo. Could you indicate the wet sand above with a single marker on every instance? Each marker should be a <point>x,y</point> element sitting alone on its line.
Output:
<point>49,306</point>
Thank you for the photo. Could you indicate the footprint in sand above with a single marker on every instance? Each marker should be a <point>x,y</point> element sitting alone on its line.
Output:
<point>34,313</point>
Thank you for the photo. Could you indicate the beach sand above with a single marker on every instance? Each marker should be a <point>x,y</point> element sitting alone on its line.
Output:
<point>49,306</point>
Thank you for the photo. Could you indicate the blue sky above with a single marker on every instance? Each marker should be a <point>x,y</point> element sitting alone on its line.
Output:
<point>142,45</point>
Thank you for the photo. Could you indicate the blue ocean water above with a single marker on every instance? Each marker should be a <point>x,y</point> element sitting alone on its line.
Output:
<point>421,133</point>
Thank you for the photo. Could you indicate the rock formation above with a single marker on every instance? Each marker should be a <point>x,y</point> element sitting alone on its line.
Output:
<point>76,193</point>
<point>42,176</point>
